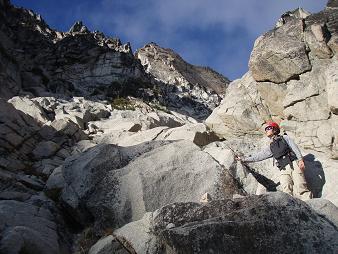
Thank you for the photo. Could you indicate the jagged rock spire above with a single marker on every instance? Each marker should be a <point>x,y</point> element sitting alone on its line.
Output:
<point>78,27</point>
<point>298,13</point>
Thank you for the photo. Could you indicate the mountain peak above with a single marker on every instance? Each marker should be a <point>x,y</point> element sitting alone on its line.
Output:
<point>78,27</point>
<point>298,13</point>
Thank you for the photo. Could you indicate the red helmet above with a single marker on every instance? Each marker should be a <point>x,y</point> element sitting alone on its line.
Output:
<point>273,125</point>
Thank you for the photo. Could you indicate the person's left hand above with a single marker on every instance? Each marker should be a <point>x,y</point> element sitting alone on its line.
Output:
<point>238,158</point>
<point>301,165</point>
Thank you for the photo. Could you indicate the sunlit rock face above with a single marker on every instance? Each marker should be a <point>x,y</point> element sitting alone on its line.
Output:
<point>40,61</point>
<point>292,79</point>
<point>201,87</point>
<point>95,140</point>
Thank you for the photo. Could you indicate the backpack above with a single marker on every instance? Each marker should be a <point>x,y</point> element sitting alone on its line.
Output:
<point>282,152</point>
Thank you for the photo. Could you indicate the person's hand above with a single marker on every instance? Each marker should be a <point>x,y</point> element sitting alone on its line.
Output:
<point>238,158</point>
<point>301,165</point>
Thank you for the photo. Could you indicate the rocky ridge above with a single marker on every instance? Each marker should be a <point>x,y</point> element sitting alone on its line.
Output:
<point>95,174</point>
<point>202,83</point>
<point>40,61</point>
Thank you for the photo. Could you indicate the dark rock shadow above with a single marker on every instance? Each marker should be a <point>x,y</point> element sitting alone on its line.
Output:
<point>314,175</point>
<point>269,184</point>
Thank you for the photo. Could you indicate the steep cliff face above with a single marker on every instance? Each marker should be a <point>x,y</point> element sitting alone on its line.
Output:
<point>75,168</point>
<point>198,83</point>
<point>40,60</point>
<point>293,80</point>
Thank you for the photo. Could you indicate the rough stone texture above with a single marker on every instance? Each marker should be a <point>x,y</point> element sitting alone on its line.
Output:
<point>140,137</point>
<point>78,61</point>
<point>30,108</point>
<point>27,228</point>
<point>115,185</point>
<point>168,67</point>
<point>197,133</point>
<point>39,61</point>
<point>10,72</point>
<point>316,38</point>
<point>45,149</point>
<point>310,109</point>
<point>280,55</point>
<point>328,17</point>
<point>201,85</point>
<point>242,230</point>
<point>69,128</point>
<point>241,111</point>
<point>332,4</point>
<point>325,208</point>
<point>304,106</point>
<point>18,136</point>
<point>256,179</point>
<point>332,86</point>
<point>117,125</point>
<point>102,186</point>
<point>272,96</point>
<point>245,225</point>
<point>298,13</point>
<point>108,245</point>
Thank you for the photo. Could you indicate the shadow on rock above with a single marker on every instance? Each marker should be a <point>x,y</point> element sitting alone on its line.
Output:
<point>263,180</point>
<point>314,175</point>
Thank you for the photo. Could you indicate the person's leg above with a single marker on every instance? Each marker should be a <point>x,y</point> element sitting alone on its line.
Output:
<point>301,190</point>
<point>285,180</point>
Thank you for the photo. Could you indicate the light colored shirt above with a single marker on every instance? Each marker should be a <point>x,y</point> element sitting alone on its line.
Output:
<point>266,153</point>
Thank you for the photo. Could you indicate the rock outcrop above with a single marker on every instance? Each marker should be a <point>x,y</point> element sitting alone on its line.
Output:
<point>40,61</point>
<point>95,142</point>
<point>292,80</point>
<point>245,225</point>
<point>112,185</point>
<point>198,84</point>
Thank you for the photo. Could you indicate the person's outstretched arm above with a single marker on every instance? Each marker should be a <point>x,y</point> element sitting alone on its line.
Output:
<point>259,156</point>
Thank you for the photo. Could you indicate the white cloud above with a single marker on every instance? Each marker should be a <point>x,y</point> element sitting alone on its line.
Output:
<point>254,15</point>
<point>164,22</point>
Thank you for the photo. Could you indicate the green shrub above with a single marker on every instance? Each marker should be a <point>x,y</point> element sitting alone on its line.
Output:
<point>122,104</point>
<point>159,107</point>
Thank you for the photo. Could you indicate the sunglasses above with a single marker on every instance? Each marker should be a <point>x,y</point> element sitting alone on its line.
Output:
<point>268,128</point>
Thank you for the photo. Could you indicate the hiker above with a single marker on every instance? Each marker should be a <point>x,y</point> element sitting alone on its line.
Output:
<point>287,158</point>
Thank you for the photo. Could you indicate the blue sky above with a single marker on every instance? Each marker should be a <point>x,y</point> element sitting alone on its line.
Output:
<point>215,33</point>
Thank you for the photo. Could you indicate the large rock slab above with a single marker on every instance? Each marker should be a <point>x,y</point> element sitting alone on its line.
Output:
<point>197,133</point>
<point>325,208</point>
<point>280,55</point>
<point>182,83</point>
<point>115,185</point>
<point>30,108</point>
<point>18,136</point>
<point>241,112</point>
<point>45,149</point>
<point>246,225</point>
<point>332,86</point>
<point>27,228</point>
<point>82,111</point>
